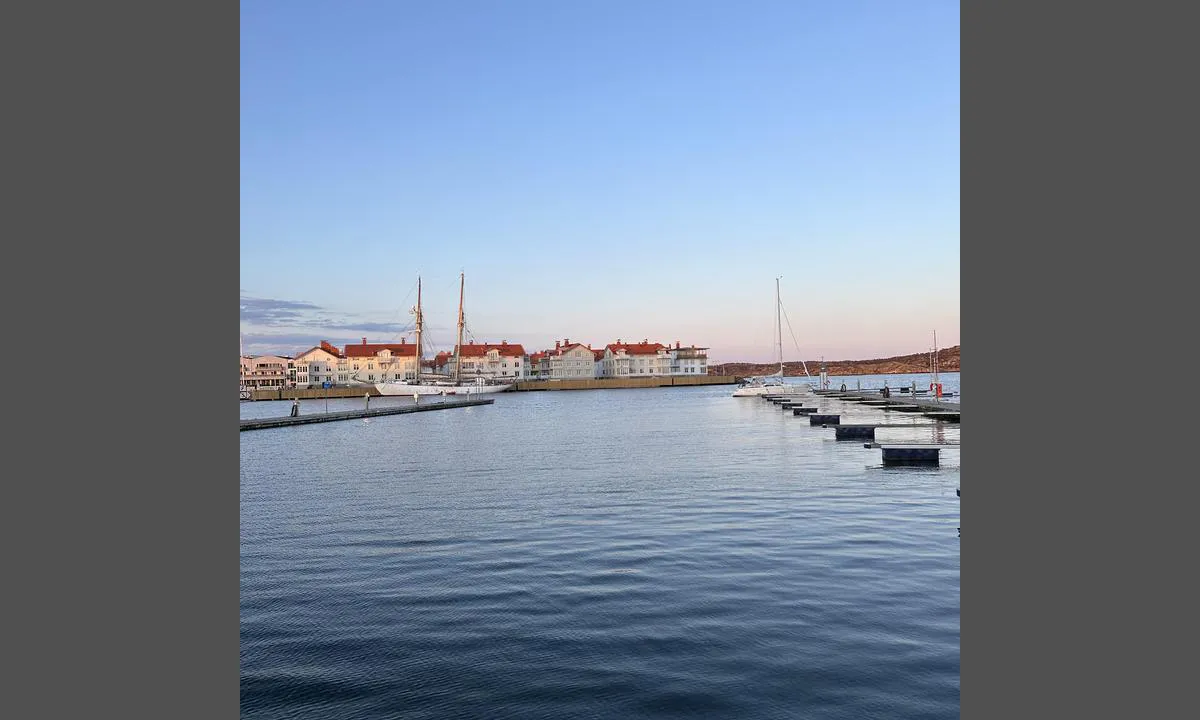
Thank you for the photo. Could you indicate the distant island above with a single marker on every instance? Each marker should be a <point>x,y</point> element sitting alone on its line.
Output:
<point>899,365</point>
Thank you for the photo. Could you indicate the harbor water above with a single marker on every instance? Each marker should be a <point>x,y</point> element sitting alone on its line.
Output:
<point>642,553</point>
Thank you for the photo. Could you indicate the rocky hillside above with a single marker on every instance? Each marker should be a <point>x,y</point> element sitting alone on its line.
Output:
<point>915,363</point>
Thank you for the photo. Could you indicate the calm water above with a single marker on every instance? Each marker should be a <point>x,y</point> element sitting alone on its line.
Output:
<point>668,552</point>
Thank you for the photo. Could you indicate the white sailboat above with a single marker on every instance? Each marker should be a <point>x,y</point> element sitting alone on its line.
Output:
<point>432,384</point>
<point>773,384</point>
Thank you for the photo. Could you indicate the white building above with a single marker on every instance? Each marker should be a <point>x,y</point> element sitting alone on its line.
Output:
<point>266,371</point>
<point>501,362</point>
<point>644,359</point>
<point>689,360</point>
<point>537,364</point>
<point>317,366</point>
<point>369,363</point>
<point>568,361</point>
<point>598,362</point>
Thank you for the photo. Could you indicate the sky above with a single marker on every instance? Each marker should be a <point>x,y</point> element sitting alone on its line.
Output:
<point>601,171</point>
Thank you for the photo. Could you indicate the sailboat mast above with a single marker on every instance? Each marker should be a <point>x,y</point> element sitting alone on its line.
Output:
<point>419,323</point>
<point>458,347</point>
<point>778,327</point>
<point>935,357</point>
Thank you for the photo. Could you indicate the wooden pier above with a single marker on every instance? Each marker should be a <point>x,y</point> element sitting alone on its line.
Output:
<point>264,423</point>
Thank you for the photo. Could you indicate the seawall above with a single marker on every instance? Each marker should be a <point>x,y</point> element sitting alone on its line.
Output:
<point>618,383</point>
<point>355,391</point>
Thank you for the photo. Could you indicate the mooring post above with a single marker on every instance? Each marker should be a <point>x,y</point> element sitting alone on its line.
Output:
<point>296,407</point>
<point>367,396</point>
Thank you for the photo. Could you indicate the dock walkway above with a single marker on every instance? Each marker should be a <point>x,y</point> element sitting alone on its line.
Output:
<point>264,423</point>
<point>945,410</point>
<point>894,453</point>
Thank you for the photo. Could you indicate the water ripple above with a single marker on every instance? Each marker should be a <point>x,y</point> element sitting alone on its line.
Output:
<point>650,553</point>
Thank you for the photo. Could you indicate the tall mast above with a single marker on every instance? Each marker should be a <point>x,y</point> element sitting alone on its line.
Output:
<point>458,347</point>
<point>778,327</point>
<point>419,323</point>
<point>935,357</point>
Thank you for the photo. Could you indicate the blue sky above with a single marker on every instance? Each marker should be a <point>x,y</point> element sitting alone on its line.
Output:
<point>602,170</point>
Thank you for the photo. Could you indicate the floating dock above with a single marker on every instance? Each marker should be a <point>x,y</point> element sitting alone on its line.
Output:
<point>264,423</point>
<point>938,411</point>
<point>930,407</point>
<point>911,453</point>
<point>866,431</point>
<point>949,416</point>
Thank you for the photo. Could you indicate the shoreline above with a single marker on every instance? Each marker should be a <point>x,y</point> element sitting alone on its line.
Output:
<point>260,394</point>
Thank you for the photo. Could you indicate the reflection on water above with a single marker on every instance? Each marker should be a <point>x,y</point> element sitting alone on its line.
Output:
<point>617,553</point>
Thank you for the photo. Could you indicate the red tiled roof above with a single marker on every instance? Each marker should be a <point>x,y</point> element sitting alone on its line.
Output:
<point>506,350</point>
<point>334,352</point>
<point>637,348</point>
<point>564,348</point>
<point>370,349</point>
<point>598,354</point>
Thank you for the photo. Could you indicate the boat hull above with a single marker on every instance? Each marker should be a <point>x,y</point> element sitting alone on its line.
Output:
<point>782,389</point>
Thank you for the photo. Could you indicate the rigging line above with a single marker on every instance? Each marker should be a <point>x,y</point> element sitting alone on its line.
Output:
<point>793,333</point>
<point>403,310</point>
